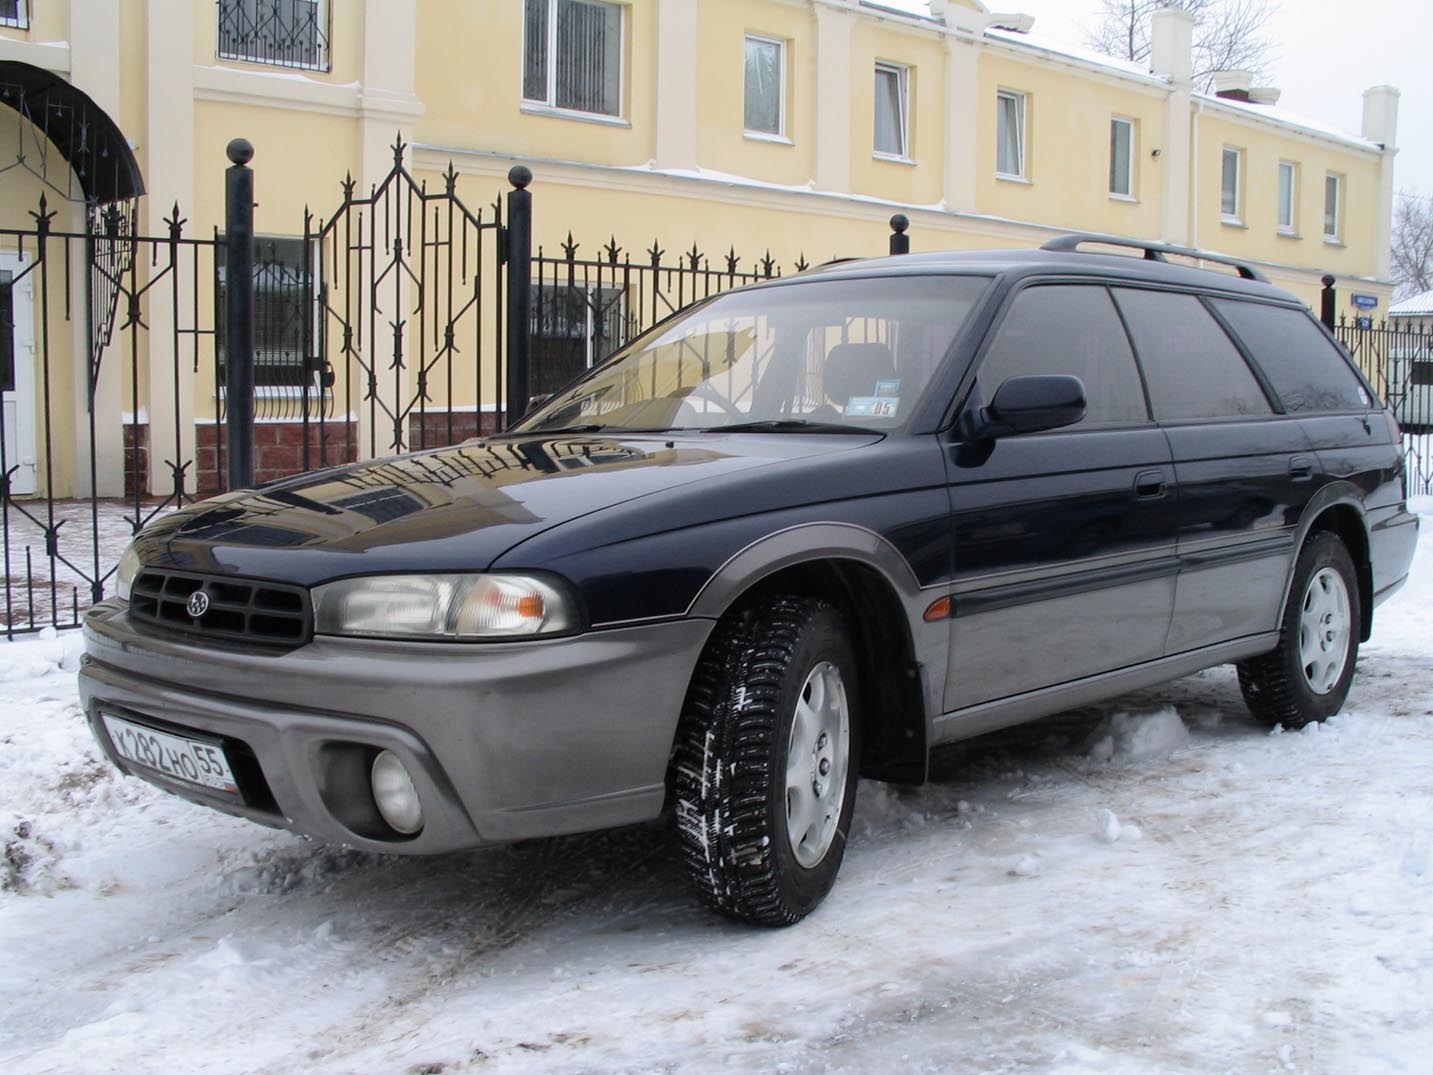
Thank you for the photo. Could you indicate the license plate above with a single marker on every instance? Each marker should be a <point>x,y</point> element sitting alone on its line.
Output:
<point>193,761</point>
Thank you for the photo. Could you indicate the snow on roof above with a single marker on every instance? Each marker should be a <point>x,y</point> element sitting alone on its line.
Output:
<point>1417,306</point>
<point>1289,119</point>
<point>1084,55</point>
<point>918,8</point>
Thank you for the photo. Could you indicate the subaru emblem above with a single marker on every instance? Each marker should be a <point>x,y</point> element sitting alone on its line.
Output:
<point>198,603</point>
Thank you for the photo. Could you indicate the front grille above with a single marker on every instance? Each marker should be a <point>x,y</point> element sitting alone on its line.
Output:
<point>265,613</point>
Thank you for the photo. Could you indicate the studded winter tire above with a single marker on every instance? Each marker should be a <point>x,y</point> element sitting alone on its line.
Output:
<point>1307,677</point>
<point>764,773</point>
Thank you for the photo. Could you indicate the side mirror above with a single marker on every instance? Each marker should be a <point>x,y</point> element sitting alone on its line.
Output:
<point>1026,405</point>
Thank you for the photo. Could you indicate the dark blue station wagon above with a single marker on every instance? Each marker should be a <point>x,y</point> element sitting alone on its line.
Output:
<point>800,532</point>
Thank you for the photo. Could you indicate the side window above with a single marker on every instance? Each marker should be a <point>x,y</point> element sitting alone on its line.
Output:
<point>1194,369</point>
<point>1063,328</point>
<point>1305,369</point>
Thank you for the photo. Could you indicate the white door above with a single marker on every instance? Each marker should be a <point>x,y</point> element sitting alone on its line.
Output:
<point>17,371</point>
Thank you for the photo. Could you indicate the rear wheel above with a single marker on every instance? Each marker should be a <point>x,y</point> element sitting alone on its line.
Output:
<point>764,776</point>
<point>1308,676</point>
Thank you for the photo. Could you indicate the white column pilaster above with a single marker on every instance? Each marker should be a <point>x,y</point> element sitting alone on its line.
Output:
<point>1380,124</point>
<point>834,20</point>
<point>167,156</point>
<point>676,141</point>
<point>1172,56</point>
<point>962,113</point>
<point>95,69</point>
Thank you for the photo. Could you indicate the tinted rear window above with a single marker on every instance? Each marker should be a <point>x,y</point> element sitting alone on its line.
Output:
<point>1306,370</point>
<point>1193,368</point>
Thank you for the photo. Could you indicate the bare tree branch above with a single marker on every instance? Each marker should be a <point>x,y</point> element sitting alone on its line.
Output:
<point>1228,34</point>
<point>1412,245</point>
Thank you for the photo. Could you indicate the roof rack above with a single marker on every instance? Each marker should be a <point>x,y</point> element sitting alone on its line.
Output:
<point>1152,251</point>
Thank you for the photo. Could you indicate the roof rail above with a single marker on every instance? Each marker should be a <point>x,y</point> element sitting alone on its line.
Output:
<point>1152,251</point>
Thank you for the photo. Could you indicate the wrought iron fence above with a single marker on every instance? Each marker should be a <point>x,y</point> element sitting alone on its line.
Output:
<point>1398,359</point>
<point>584,309</point>
<point>104,329</point>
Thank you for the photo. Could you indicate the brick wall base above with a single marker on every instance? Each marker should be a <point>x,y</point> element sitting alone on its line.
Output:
<point>278,450</point>
<point>136,457</point>
<point>278,446</point>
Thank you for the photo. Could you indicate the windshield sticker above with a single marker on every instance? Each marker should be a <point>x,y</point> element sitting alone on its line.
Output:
<point>891,389</point>
<point>872,406</point>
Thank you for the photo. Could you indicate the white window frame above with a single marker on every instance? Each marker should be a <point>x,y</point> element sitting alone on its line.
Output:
<point>903,101</point>
<point>1237,215</point>
<point>548,104</point>
<point>1128,193</point>
<point>1335,236</point>
<point>779,135</point>
<point>21,19</point>
<point>1289,225</point>
<point>1022,116</point>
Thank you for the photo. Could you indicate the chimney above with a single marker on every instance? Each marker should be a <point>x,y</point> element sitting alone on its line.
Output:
<point>1380,115</point>
<point>1171,53</point>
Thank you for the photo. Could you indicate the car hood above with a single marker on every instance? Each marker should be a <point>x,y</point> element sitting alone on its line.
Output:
<point>454,509</point>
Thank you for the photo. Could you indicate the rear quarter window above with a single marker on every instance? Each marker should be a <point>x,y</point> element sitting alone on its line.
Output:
<point>1192,367</point>
<point>1307,371</point>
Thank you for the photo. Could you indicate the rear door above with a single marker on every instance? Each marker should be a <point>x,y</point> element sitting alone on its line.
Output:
<point>1245,469</point>
<point>1064,560</point>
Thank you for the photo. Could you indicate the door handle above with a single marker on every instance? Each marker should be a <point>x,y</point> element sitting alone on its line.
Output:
<point>1301,468</point>
<point>1149,485</point>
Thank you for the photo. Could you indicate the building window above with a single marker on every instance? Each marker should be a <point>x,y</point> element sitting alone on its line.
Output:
<point>572,328</point>
<point>282,33</point>
<point>572,55</point>
<point>1231,178</point>
<point>765,86</point>
<point>284,312</point>
<point>892,110</point>
<point>15,13</point>
<point>1010,134</point>
<point>1122,157</point>
<point>1333,196</point>
<point>1288,192</point>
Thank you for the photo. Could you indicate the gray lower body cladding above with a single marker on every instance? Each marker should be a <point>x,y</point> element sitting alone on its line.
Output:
<point>504,742</point>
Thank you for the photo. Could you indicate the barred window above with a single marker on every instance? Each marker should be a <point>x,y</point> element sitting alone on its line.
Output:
<point>572,55</point>
<point>284,306</point>
<point>15,13</point>
<point>282,33</point>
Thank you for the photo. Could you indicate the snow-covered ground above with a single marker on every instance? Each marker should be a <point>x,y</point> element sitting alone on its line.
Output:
<point>1154,885</point>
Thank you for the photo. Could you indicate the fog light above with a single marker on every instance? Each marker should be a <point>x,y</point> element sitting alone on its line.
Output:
<point>395,795</point>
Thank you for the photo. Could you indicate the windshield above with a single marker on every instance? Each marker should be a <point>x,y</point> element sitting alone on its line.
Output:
<point>818,356</point>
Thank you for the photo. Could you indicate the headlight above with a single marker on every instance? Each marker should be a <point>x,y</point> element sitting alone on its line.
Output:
<point>129,566</point>
<point>443,607</point>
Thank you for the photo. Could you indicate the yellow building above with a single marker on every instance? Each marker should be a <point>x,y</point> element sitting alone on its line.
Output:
<point>794,127</point>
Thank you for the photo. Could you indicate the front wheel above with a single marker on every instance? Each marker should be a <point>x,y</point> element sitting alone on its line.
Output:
<point>764,773</point>
<point>1307,677</point>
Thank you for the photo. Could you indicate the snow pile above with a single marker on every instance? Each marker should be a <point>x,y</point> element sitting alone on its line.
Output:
<point>1127,737</point>
<point>1276,915</point>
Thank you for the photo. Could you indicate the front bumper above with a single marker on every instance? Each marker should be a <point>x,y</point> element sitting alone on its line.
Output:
<point>504,741</point>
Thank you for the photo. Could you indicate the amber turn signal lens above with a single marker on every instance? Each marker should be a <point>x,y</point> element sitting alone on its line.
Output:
<point>939,610</point>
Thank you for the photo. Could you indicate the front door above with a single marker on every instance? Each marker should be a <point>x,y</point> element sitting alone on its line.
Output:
<point>1064,541</point>
<point>17,374</point>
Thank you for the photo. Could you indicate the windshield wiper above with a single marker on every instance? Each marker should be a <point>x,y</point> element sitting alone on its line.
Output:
<point>790,425</point>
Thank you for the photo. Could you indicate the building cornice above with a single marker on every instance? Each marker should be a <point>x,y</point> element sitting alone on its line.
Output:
<point>53,56</point>
<point>299,93</point>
